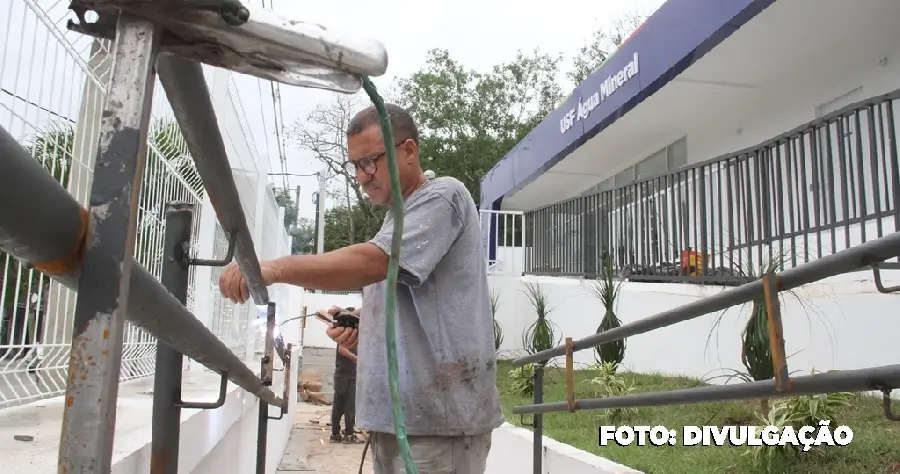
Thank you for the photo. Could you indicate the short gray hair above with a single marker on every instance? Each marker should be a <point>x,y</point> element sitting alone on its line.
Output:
<point>402,124</point>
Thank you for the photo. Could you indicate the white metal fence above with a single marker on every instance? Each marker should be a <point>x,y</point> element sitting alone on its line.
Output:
<point>503,239</point>
<point>52,88</point>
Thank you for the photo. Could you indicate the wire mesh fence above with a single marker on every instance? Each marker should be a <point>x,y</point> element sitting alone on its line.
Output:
<point>52,89</point>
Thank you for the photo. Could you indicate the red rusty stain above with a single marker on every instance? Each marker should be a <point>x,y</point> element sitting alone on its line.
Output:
<point>105,353</point>
<point>106,334</point>
<point>83,378</point>
<point>69,262</point>
<point>70,400</point>
<point>162,461</point>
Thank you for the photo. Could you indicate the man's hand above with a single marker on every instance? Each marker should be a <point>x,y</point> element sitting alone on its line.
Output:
<point>346,353</point>
<point>233,286</point>
<point>346,337</point>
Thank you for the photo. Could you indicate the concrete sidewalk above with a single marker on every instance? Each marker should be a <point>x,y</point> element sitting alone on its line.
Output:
<point>309,450</point>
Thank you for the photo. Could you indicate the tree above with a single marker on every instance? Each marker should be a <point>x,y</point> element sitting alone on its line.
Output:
<point>302,230</point>
<point>603,43</point>
<point>284,199</point>
<point>304,235</point>
<point>468,120</point>
<point>322,133</point>
<point>340,230</point>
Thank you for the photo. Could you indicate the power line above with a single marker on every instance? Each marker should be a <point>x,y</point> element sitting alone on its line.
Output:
<point>15,96</point>
<point>279,119</point>
<point>292,174</point>
<point>279,124</point>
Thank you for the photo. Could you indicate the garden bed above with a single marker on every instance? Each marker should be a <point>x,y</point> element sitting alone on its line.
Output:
<point>874,449</point>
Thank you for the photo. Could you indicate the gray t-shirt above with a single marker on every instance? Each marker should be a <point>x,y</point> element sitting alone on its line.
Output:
<point>445,339</point>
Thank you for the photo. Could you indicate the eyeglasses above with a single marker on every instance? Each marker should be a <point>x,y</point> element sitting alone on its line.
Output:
<point>368,164</point>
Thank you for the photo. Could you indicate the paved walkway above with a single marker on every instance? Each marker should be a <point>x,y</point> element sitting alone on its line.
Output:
<point>308,450</point>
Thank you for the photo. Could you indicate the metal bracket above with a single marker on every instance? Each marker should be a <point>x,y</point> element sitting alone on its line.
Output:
<point>264,375</point>
<point>776,332</point>
<point>229,255</point>
<point>523,423</point>
<point>246,39</point>
<point>286,400</point>
<point>570,376</point>
<point>876,274</point>
<point>223,392</point>
<point>886,404</point>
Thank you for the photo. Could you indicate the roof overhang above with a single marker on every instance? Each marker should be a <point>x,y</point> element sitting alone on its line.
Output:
<point>677,35</point>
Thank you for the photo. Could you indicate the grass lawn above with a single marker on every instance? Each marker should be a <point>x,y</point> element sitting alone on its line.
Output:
<point>875,447</point>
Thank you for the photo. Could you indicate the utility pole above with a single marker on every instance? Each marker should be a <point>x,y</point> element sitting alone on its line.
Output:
<point>297,208</point>
<point>320,215</point>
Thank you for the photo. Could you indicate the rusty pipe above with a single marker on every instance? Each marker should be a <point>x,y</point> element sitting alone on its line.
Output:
<point>47,229</point>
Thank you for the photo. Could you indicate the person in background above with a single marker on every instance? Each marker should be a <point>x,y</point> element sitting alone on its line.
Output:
<point>344,404</point>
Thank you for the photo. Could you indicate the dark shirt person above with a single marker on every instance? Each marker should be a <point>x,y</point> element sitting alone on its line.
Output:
<point>344,404</point>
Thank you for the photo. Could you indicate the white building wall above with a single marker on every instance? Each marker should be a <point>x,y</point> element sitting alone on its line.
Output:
<point>313,333</point>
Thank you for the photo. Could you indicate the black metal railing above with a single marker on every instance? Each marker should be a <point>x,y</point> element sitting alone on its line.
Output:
<point>873,255</point>
<point>823,187</point>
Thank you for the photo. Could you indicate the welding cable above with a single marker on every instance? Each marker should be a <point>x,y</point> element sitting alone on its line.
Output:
<point>362,461</point>
<point>393,271</point>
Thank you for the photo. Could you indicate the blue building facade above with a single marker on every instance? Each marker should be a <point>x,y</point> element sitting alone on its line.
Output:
<point>677,35</point>
<point>671,40</point>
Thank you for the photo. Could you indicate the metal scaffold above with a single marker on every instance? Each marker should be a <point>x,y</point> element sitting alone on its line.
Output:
<point>91,250</point>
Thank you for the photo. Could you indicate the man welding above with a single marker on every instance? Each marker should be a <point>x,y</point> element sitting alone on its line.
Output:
<point>445,339</point>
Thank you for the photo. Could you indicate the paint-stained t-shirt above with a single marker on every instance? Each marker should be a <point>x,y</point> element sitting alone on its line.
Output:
<point>445,339</point>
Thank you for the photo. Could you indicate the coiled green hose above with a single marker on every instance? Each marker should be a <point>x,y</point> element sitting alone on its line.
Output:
<point>393,270</point>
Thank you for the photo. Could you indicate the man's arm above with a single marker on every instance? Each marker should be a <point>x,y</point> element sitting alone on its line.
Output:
<point>346,353</point>
<point>431,225</point>
<point>348,268</point>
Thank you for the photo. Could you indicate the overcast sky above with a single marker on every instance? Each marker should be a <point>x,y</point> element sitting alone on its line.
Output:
<point>478,34</point>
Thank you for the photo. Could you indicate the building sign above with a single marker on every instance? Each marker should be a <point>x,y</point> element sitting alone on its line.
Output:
<point>607,88</point>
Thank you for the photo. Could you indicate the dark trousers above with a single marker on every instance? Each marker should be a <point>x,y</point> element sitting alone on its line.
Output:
<point>344,404</point>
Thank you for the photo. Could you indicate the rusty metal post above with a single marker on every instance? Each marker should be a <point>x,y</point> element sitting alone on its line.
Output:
<point>169,362</point>
<point>570,375</point>
<point>89,418</point>
<point>776,332</point>
<point>537,444</point>
<point>267,366</point>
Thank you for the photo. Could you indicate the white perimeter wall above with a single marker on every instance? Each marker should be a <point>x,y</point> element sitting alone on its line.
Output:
<point>212,441</point>
<point>511,451</point>
<point>314,330</point>
<point>842,323</point>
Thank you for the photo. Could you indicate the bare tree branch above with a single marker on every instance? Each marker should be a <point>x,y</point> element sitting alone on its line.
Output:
<point>603,43</point>
<point>322,133</point>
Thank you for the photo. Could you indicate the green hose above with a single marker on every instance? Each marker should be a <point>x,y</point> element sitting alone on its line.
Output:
<point>393,270</point>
